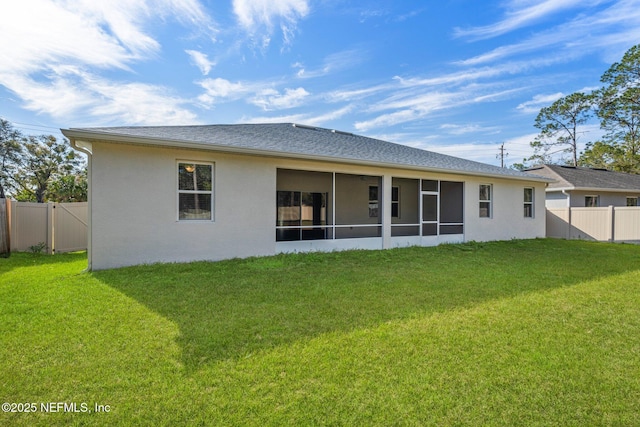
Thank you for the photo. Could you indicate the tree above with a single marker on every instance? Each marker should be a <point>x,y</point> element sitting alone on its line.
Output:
<point>10,154</point>
<point>69,188</point>
<point>559,126</point>
<point>600,155</point>
<point>45,160</point>
<point>619,111</point>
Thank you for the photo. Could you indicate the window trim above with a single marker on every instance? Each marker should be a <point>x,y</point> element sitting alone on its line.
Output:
<point>489,201</point>
<point>594,196</point>
<point>179,191</point>
<point>637,201</point>
<point>531,203</point>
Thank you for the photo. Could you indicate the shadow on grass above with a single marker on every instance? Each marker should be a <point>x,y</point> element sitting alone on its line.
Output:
<point>230,309</point>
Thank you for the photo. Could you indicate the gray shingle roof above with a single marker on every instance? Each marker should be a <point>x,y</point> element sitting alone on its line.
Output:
<point>292,140</point>
<point>570,177</point>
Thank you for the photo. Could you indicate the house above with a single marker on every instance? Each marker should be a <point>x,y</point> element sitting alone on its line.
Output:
<point>586,187</point>
<point>185,193</point>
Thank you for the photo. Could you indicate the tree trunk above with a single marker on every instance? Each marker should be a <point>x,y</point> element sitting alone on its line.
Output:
<point>5,240</point>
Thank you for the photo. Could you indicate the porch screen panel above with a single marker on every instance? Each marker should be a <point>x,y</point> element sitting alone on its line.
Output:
<point>405,208</point>
<point>357,206</point>
<point>429,214</point>
<point>289,214</point>
<point>451,207</point>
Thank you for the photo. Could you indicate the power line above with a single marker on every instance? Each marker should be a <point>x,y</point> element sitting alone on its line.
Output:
<point>32,126</point>
<point>502,155</point>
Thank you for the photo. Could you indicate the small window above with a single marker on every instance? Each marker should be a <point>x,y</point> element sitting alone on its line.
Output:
<point>485,200</point>
<point>528,202</point>
<point>632,201</point>
<point>195,191</point>
<point>373,201</point>
<point>592,201</point>
<point>395,202</point>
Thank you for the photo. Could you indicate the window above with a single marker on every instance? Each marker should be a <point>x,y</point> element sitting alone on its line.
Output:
<point>485,200</point>
<point>395,202</point>
<point>592,201</point>
<point>528,202</point>
<point>195,191</point>
<point>373,201</point>
<point>632,201</point>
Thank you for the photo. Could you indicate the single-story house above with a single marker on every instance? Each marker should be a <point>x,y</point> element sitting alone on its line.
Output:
<point>575,186</point>
<point>185,193</point>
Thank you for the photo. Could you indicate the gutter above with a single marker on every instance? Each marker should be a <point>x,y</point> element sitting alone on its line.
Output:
<point>87,148</point>
<point>80,139</point>
<point>594,189</point>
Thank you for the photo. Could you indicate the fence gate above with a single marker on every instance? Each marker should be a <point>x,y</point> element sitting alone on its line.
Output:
<point>59,227</point>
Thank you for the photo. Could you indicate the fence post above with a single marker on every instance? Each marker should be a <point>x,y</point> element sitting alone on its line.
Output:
<point>50,236</point>
<point>612,223</point>
<point>5,227</point>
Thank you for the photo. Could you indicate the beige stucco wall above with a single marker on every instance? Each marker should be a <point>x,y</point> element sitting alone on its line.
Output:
<point>507,221</point>
<point>134,205</point>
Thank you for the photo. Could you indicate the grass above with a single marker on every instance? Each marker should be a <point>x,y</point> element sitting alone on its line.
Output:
<point>541,332</point>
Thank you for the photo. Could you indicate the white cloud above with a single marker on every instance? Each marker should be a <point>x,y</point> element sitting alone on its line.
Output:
<point>470,128</point>
<point>217,89</point>
<point>520,14</point>
<point>332,63</point>
<point>307,119</point>
<point>259,17</point>
<point>54,42</point>
<point>95,33</point>
<point>81,94</point>
<point>539,101</point>
<point>201,61</point>
<point>606,32</point>
<point>271,99</point>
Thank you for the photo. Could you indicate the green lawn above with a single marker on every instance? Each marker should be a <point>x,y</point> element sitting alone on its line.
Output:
<point>519,333</point>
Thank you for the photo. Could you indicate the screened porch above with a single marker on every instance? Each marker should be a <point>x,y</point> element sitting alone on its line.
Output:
<point>333,206</point>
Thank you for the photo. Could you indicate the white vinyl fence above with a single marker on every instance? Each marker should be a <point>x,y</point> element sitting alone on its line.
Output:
<point>59,227</point>
<point>610,224</point>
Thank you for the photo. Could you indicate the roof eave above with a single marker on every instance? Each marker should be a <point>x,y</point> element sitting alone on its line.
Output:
<point>76,136</point>
<point>597,189</point>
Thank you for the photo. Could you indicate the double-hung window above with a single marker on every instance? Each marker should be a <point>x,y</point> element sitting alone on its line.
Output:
<point>528,202</point>
<point>195,191</point>
<point>485,197</point>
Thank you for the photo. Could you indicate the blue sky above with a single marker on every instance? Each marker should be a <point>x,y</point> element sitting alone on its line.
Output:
<point>459,77</point>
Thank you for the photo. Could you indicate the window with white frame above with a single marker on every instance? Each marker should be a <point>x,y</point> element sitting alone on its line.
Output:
<point>485,197</point>
<point>195,191</point>
<point>632,201</point>
<point>591,201</point>
<point>528,202</point>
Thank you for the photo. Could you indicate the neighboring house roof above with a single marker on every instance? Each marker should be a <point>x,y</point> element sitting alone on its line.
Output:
<point>587,179</point>
<point>293,141</point>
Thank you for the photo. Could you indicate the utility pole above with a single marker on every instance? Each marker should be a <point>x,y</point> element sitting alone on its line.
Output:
<point>502,155</point>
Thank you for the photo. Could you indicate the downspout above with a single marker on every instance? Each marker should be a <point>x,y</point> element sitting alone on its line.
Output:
<point>568,235</point>
<point>87,148</point>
